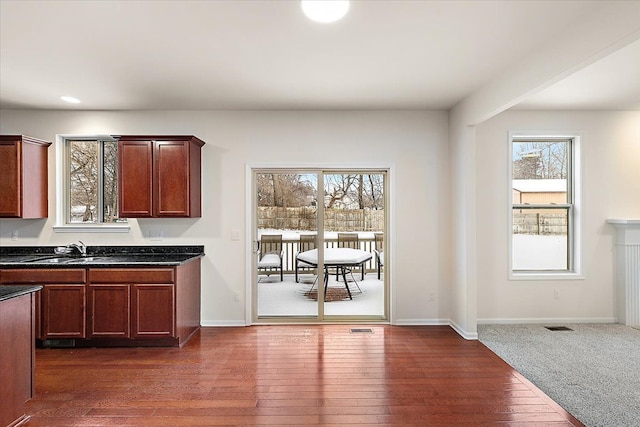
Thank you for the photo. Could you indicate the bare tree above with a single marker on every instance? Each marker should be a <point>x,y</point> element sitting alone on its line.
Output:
<point>350,191</point>
<point>338,190</point>
<point>110,181</point>
<point>375,191</point>
<point>83,176</point>
<point>354,191</point>
<point>93,173</point>
<point>540,160</point>
<point>284,190</point>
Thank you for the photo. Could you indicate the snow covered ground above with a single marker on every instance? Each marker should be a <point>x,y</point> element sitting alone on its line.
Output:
<point>288,298</point>
<point>533,252</point>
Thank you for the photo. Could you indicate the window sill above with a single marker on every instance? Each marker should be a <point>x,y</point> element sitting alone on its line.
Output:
<point>93,228</point>
<point>540,275</point>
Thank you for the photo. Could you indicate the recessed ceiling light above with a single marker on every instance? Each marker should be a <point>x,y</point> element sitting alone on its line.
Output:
<point>70,99</point>
<point>325,11</point>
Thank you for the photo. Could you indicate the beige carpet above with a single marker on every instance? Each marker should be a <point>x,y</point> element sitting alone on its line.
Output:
<point>592,371</point>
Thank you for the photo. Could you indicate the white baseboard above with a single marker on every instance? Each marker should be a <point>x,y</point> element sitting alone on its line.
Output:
<point>464,334</point>
<point>421,322</point>
<point>222,323</point>
<point>438,322</point>
<point>515,321</point>
<point>426,322</point>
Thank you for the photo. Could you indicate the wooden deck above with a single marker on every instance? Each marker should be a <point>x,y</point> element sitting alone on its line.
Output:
<point>290,375</point>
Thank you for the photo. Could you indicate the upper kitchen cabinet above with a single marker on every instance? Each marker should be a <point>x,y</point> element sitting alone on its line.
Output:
<point>159,176</point>
<point>23,177</point>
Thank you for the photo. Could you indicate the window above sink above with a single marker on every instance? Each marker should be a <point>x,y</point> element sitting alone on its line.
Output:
<point>86,185</point>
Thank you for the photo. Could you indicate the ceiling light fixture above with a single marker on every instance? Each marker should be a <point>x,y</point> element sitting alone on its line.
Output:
<point>325,11</point>
<point>70,99</point>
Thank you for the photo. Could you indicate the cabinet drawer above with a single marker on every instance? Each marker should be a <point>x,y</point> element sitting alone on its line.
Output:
<point>131,275</point>
<point>43,275</point>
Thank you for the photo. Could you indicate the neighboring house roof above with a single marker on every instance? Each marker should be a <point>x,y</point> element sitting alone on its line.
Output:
<point>540,185</point>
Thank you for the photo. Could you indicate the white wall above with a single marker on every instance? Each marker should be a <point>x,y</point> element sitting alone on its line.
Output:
<point>611,188</point>
<point>414,143</point>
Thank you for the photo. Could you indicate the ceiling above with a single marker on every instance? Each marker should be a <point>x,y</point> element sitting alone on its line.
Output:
<point>190,55</point>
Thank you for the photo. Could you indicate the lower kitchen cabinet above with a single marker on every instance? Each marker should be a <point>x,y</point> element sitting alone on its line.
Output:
<point>63,311</point>
<point>61,305</point>
<point>17,355</point>
<point>149,312</point>
<point>104,306</point>
<point>153,311</point>
<point>154,305</point>
<point>109,311</point>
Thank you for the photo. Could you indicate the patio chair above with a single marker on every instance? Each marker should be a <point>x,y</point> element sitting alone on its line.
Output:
<point>307,242</point>
<point>379,251</point>
<point>350,240</point>
<point>270,254</point>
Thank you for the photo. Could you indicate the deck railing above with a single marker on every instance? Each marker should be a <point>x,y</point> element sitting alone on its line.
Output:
<point>291,245</point>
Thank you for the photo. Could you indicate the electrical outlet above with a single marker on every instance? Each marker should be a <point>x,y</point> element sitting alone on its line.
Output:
<point>556,294</point>
<point>14,235</point>
<point>432,296</point>
<point>156,235</point>
<point>236,297</point>
<point>235,234</point>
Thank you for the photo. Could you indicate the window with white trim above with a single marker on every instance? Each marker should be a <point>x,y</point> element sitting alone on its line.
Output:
<point>543,204</point>
<point>91,181</point>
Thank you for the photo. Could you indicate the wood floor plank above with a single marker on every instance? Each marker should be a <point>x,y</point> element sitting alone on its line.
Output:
<point>290,375</point>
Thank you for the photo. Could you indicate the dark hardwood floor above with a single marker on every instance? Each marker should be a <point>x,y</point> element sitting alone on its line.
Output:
<point>290,375</point>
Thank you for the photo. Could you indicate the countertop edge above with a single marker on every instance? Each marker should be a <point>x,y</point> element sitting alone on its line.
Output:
<point>149,261</point>
<point>13,291</point>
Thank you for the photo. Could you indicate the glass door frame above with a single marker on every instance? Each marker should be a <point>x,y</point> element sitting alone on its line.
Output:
<point>251,301</point>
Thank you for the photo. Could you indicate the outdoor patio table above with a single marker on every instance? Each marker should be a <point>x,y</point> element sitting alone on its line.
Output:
<point>339,258</point>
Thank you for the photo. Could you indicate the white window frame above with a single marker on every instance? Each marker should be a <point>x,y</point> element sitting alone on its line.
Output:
<point>574,235</point>
<point>62,192</point>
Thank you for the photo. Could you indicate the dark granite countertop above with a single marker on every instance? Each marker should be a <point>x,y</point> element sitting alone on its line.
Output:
<point>12,291</point>
<point>99,256</point>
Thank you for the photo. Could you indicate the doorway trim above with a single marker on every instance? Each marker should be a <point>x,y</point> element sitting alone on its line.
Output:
<point>250,208</point>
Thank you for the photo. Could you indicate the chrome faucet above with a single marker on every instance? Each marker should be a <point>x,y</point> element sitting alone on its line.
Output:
<point>71,248</point>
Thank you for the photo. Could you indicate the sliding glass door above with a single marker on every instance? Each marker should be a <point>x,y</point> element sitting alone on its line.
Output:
<point>286,225</point>
<point>319,245</point>
<point>354,226</point>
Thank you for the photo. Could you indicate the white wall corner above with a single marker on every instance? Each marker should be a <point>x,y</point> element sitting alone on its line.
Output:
<point>467,335</point>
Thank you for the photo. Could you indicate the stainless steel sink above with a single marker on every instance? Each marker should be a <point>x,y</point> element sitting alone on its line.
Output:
<point>66,260</point>
<point>84,260</point>
<point>53,260</point>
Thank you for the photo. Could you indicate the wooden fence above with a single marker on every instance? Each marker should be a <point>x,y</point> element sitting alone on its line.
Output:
<point>304,218</point>
<point>539,224</point>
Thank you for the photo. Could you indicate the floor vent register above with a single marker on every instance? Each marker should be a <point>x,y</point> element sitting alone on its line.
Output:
<point>361,331</point>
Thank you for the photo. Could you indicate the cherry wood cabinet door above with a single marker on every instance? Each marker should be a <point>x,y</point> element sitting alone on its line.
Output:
<point>23,177</point>
<point>135,178</point>
<point>153,310</point>
<point>171,178</point>
<point>160,176</point>
<point>17,358</point>
<point>10,181</point>
<point>109,313</point>
<point>63,311</point>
